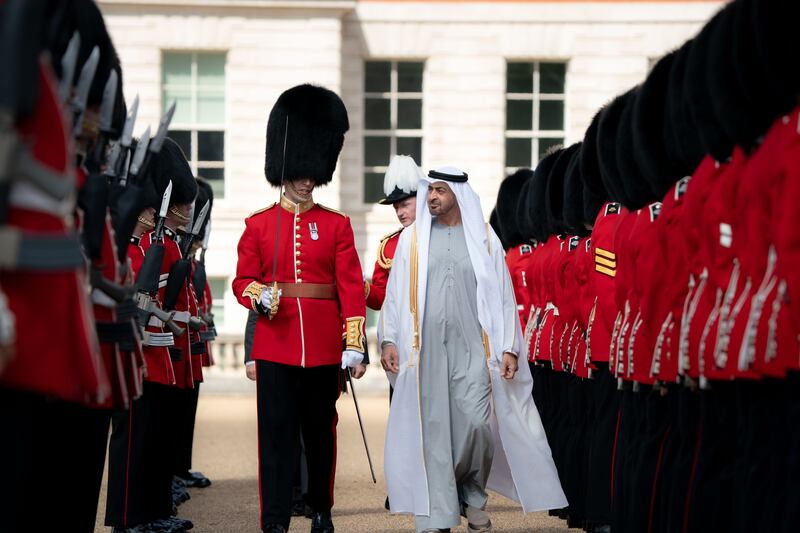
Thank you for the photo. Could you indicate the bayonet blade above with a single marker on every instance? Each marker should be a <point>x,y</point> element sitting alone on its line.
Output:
<point>113,160</point>
<point>162,212</point>
<point>109,99</point>
<point>163,127</point>
<point>127,131</point>
<point>141,150</point>
<point>82,91</point>
<point>68,62</point>
<point>190,229</point>
<point>201,218</point>
<point>207,235</point>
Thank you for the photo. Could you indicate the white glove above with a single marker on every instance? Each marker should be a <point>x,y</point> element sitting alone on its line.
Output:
<point>266,298</point>
<point>351,358</point>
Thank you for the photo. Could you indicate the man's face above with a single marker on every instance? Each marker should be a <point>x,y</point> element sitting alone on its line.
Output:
<point>301,188</point>
<point>406,210</point>
<point>441,199</point>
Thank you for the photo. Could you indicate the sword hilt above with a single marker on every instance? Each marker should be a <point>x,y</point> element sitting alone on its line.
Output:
<point>273,308</point>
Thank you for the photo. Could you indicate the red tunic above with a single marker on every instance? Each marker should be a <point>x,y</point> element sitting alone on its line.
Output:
<point>63,362</point>
<point>316,245</point>
<point>517,260</point>
<point>602,277</point>
<point>376,289</point>
<point>777,342</point>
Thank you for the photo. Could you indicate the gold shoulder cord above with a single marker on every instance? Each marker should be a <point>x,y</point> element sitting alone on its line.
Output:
<point>412,299</point>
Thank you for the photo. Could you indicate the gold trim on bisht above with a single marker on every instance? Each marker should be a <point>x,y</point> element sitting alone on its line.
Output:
<point>413,301</point>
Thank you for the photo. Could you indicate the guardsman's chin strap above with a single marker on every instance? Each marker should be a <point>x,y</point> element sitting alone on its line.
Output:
<point>273,310</point>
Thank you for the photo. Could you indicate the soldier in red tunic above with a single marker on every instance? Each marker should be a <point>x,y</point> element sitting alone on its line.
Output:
<point>400,187</point>
<point>519,249</point>
<point>299,269</point>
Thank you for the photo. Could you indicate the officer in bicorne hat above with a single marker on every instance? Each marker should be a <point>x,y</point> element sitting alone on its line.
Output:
<point>299,269</point>
<point>400,186</point>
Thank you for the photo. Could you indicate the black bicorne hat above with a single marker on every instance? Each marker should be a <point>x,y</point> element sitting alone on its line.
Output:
<point>310,123</point>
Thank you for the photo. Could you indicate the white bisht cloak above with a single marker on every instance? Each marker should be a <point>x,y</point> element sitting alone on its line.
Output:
<point>523,467</point>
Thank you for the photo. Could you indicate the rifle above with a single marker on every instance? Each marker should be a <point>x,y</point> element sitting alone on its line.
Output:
<point>149,275</point>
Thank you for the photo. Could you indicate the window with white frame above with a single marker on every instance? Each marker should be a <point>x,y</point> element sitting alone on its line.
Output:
<point>196,81</point>
<point>392,118</point>
<point>219,287</point>
<point>535,101</point>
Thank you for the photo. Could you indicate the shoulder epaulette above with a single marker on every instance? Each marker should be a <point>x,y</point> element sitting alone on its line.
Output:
<point>332,210</point>
<point>257,211</point>
<point>386,262</point>
<point>385,238</point>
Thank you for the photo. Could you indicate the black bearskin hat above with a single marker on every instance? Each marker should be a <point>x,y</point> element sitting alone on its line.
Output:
<point>763,94</point>
<point>554,197</point>
<point>649,143</point>
<point>775,24</point>
<point>698,95</point>
<point>522,211</point>
<point>507,200</point>
<point>170,164</point>
<point>573,195</point>
<point>495,224</point>
<point>682,138</point>
<point>733,109</point>
<point>594,193</point>
<point>150,197</point>
<point>637,190</point>
<point>316,121</point>
<point>607,146</point>
<point>536,220</point>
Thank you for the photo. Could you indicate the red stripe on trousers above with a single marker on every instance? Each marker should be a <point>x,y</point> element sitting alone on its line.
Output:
<point>128,465</point>
<point>258,456</point>
<point>691,478</point>
<point>614,452</point>
<point>655,480</point>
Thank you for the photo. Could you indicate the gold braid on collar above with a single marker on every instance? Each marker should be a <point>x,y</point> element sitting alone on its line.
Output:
<point>178,214</point>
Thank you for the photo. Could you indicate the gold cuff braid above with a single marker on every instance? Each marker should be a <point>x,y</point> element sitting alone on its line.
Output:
<point>354,334</point>
<point>253,291</point>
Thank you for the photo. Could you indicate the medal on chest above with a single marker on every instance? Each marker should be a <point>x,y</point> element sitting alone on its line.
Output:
<point>312,228</point>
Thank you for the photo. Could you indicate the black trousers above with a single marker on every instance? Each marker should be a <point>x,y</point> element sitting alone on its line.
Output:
<point>42,438</point>
<point>603,425</point>
<point>292,400</point>
<point>139,466</point>
<point>187,413</point>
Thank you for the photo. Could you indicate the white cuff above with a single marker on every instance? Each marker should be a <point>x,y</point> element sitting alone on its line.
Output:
<point>248,363</point>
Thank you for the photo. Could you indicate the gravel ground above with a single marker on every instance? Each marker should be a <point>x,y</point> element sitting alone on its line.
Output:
<point>225,450</point>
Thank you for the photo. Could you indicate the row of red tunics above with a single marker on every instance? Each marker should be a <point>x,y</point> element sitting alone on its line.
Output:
<point>704,284</point>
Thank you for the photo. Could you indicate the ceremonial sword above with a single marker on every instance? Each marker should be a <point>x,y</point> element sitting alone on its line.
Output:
<point>361,425</point>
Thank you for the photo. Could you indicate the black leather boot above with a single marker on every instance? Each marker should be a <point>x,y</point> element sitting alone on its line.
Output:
<point>322,523</point>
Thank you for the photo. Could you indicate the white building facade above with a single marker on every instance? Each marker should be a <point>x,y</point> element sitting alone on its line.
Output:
<point>486,86</point>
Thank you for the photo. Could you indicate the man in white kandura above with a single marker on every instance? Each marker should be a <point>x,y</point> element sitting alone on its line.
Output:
<point>462,419</point>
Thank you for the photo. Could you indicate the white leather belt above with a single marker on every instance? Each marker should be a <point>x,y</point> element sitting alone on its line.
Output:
<point>158,339</point>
